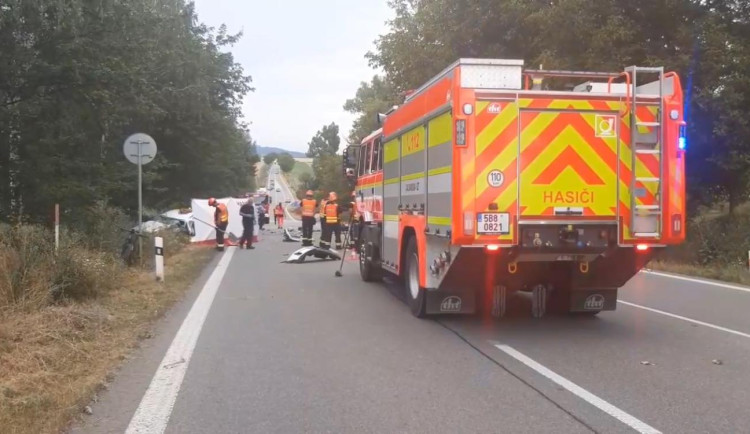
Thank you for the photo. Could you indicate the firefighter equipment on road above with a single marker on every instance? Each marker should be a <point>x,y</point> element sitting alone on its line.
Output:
<point>232,237</point>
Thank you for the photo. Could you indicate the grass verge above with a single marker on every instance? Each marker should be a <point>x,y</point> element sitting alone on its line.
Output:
<point>54,360</point>
<point>732,273</point>
<point>716,248</point>
<point>293,177</point>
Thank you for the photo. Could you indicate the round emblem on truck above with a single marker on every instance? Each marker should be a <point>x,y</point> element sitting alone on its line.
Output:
<point>495,178</point>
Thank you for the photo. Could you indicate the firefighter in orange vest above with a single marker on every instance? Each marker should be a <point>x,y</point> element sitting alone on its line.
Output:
<point>333,223</point>
<point>221,220</point>
<point>278,215</point>
<point>308,206</point>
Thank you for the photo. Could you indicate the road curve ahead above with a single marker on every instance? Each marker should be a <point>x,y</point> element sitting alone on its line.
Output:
<point>260,346</point>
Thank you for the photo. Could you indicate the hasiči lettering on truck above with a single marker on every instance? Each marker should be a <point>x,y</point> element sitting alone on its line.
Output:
<point>492,179</point>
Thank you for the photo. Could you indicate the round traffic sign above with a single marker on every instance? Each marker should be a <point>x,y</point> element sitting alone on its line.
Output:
<point>495,178</point>
<point>147,147</point>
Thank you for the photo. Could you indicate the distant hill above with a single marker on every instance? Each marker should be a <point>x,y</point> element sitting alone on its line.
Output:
<point>265,150</point>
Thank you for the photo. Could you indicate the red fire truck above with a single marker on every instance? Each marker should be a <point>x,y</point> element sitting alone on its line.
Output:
<point>487,181</point>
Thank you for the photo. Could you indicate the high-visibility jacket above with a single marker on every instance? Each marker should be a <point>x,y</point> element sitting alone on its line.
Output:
<point>355,211</point>
<point>278,211</point>
<point>308,207</point>
<point>332,212</point>
<point>221,215</point>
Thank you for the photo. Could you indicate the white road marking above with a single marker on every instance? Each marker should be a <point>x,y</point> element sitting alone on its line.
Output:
<point>694,321</point>
<point>695,280</point>
<point>580,392</point>
<point>156,405</point>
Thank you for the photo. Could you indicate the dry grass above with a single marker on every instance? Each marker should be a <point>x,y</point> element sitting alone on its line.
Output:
<point>54,360</point>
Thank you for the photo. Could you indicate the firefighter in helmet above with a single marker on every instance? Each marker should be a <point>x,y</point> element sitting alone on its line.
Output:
<point>333,222</point>
<point>221,221</point>
<point>308,205</point>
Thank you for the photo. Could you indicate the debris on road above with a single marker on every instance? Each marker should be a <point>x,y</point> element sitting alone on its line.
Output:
<point>717,362</point>
<point>318,252</point>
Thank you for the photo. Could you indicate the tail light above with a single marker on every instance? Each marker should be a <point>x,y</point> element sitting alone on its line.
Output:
<point>492,248</point>
<point>641,247</point>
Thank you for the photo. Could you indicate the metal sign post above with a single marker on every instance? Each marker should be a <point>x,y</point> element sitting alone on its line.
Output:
<point>140,149</point>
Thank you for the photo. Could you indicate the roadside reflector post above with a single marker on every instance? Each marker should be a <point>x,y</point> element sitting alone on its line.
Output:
<point>159,252</point>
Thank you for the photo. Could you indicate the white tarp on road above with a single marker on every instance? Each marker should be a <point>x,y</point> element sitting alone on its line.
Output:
<point>202,211</point>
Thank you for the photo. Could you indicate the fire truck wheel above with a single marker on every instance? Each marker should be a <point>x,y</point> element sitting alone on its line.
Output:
<point>414,294</point>
<point>367,270</point>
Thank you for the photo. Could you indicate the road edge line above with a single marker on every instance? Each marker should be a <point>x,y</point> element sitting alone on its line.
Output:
<point>684,318</point>
<point>580,392</point>
<point>155,408</point>
<point>698,280</point>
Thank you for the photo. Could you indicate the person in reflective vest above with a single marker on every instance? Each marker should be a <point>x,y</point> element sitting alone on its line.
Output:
<point>308,206</point>
<point>333,223</point>
<point>221,221</point>
<point>278,215</point>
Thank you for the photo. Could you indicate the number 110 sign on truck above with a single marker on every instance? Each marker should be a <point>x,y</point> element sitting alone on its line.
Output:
<point>487,181</point>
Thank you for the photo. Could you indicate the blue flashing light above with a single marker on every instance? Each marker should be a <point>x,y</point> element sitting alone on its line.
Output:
<point>682,143</point>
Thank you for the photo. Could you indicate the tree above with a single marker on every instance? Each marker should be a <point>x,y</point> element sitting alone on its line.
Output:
<point>252,160</point>
<point>372,98</point>
<point>78,81</point>
<point>329,177</point>
<point>706,42</point>
<point>286,162</point>
<point>325,142</point>
<point>270,158</point>
<point>307,181</point>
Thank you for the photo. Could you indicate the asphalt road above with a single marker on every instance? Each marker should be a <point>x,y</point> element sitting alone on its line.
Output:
<point>290,348</point>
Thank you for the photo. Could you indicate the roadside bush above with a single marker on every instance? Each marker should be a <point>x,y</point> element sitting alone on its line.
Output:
<point>174,242</point>
<point>101,224</point>
<point>83,273</point>
<point>32,274</point>
<point>26,255</point>
<point>721,241</point>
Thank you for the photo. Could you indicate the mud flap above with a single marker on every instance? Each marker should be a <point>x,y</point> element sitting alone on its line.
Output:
<point>593,300</point>
<point>317,252</point>
<point>441,301</point>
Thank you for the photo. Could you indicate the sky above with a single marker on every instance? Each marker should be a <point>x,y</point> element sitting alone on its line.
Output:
<point>306,58</point>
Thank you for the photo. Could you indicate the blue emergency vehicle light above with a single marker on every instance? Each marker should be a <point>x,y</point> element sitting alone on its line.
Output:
<point>682,141</point>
